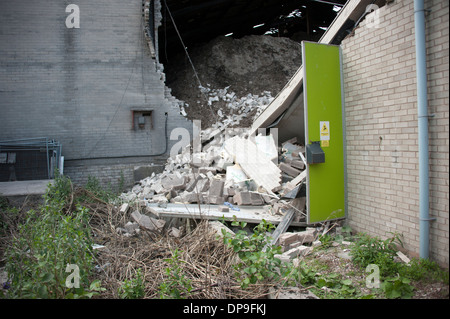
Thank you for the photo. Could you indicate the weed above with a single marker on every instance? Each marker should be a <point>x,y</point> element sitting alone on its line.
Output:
<point>133,288</point>
<point>177,285</point>
<point>326,241</point>
<point>372,250</point>
<point>93,186</point>
<point>397,287</point>
<point>257,264</point>
<point>45,243</point>
<point>424,269</point>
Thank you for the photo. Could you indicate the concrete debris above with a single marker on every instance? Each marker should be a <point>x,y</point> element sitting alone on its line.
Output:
<point>175,232</point>
<point>290,293</point>
<point>217,227</point>
<point>147,222</point>
<point>229,169</point>
<point>403,257</point>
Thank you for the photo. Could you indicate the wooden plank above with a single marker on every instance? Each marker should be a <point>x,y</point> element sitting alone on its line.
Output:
<point>292,184</point>
<point>249,214</point>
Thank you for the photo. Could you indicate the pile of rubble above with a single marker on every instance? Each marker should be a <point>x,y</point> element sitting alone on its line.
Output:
<point>228,108</point>
<point>232,169</point>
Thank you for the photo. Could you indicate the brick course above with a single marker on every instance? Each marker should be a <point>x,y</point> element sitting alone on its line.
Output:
<point>381,125</point>
<point>79,86</point>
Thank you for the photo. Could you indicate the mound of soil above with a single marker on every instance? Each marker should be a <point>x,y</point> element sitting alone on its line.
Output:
<point>252,64</point>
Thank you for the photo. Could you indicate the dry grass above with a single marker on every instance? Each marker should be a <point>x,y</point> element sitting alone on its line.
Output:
<point>204,259</point>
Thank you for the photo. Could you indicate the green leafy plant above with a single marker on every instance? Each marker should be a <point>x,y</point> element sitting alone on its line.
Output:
<point>307,274</point>
<point>398,287</point>
<point>176,285</point>
<point>257,256</point>
<point>133,288</point>
<point>336,287</point>
<point>93,186</point>
<point>372,250</point>
<point>48,240</point>
<point>424,269</point>
<point>80,293</point>
<point>326,241</point>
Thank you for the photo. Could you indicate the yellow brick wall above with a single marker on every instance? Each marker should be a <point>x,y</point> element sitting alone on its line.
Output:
<point>382,130</point>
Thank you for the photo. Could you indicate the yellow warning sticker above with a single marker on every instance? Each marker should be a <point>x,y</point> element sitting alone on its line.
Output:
<point>324,130</point>
<point>324,143</point>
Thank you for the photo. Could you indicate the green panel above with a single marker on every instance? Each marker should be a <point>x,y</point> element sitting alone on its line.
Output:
<point>323,105</point>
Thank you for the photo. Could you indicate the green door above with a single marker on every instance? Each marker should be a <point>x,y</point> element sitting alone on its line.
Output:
<point>324,123</point>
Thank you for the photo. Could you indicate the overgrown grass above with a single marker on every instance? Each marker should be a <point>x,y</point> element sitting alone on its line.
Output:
<point>47,240</point>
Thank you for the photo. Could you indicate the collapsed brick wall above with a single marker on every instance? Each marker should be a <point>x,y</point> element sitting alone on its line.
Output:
<point>382,129</point>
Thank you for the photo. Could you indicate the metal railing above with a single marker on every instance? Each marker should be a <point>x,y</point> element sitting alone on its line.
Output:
<point>29,159</point>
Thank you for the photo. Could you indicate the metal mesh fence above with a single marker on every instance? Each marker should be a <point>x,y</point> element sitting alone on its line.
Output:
<point>29,159</point>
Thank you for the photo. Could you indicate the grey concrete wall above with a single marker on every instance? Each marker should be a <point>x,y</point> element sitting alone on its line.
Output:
<point>80,85</point>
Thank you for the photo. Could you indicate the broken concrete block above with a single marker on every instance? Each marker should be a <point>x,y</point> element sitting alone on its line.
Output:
<point>160,199</point>
<point>201,160</point>
<point>297,252</point>
<point>316,243</point>
<point>256,199</point>
<point>173,182</point>
<point>216,188</point>
<point>283,258</point>
<point>193,182</point>
<point>243,198</point>
<point>403,257</point>
<point>131,227</point>
<point>215,200</point>
<point>192,197</point>
<point>174,232</point>
<point>267,199</point>
<point>297,164</point>
<point>307,236</point>
<point>291,293</point>
<point>288,169</point>
<point>205,170</point>
<point>279,207</point>
<point>202,185</point>
<point>157,187</point>
<point>286,239</point>
<point>148,222</point>
<point>223,163</point>
<point>124,208</point>
<point>217,227</point>
<point>224,209</point>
